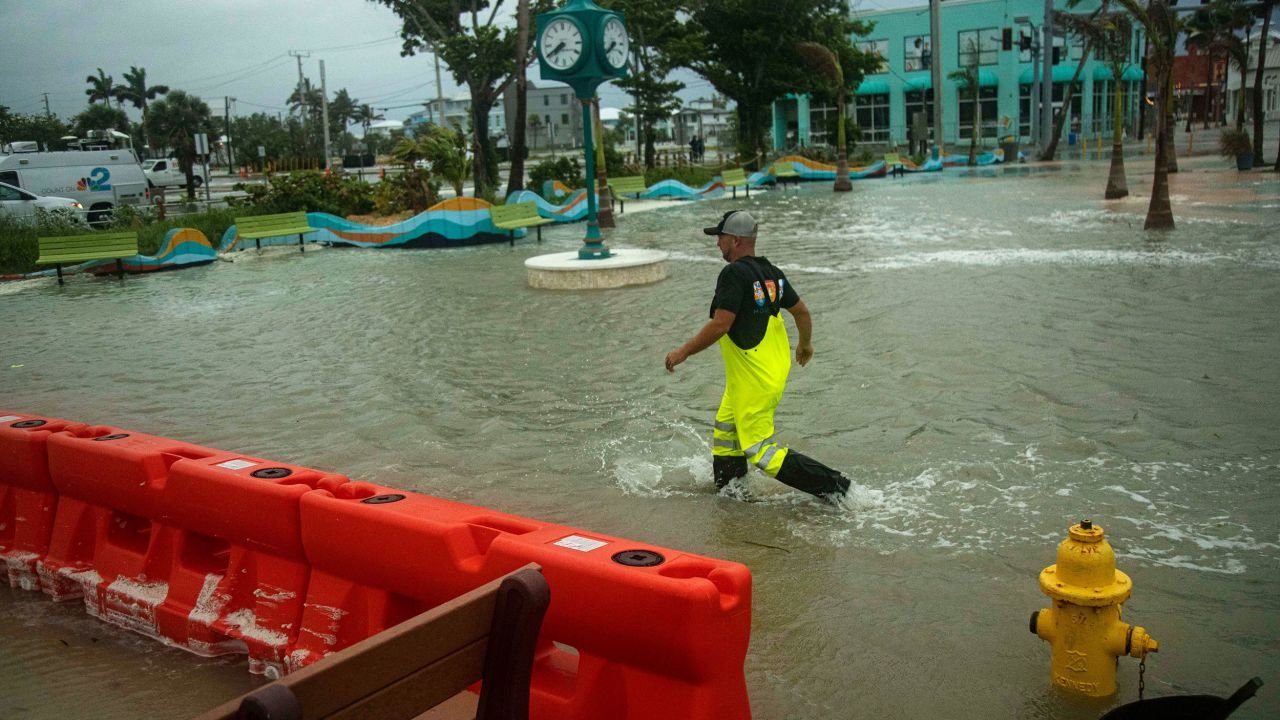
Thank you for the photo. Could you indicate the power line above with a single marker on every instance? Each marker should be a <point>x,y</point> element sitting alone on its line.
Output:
<point>225,73</point>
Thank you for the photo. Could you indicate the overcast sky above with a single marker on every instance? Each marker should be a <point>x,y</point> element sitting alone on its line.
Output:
<point>236,48</point>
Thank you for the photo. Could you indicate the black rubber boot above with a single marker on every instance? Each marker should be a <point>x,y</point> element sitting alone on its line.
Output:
<point>727,467</point>
<point>804,473</point>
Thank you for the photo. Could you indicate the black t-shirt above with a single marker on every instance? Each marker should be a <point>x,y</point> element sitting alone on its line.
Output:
<point>754,290</point>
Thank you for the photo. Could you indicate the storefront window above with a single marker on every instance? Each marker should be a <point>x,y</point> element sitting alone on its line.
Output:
<point>871,112</point>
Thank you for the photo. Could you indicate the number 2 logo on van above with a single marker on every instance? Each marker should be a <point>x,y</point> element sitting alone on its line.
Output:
<point>99,179</point>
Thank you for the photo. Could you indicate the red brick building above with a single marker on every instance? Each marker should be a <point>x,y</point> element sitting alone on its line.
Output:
<point>1199,84</point>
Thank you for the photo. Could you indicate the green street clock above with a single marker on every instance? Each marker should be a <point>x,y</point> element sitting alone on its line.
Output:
<point>583,45</point>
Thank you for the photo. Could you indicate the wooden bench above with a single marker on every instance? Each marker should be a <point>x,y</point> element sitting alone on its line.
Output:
<point>736,178</point>
<point>488,634</point>
<point>629,184</point>
<point>69,249</point>
<point>518,215</point>
<point>256,227</point>
<point>893,164</point>
<point>784,172</point>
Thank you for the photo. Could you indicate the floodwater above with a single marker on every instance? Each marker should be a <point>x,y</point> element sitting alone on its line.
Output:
<point>999,355</point>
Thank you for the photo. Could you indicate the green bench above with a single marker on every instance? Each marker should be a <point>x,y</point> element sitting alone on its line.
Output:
<point>629,184</point>
<point>256,227</point>
<point>70,249</point>
<point>517,215</point>
<point>893,164</point>
<point>784,172</point>
<point>736,178</point>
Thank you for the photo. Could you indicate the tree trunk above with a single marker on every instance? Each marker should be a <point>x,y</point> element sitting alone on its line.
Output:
<point>650,152</point>
<point>1061,118</point>
<point>842,183</point>
<point>1257,81</point>
<point>1117,185</point>
<point>1208,88</point>
<point>977,124</point>
<point>1160,212</point>
<point>1170,151</point>
<point>1142,89</point>
<point>1240,100</point>
<point>515,178</point>
<point>480,107</point>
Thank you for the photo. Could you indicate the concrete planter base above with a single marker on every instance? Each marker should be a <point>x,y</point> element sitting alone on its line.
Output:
<point>565,271</point>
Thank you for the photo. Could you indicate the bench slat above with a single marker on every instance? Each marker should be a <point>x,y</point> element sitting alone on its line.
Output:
<point>252,227</point>
<point>517,215</point>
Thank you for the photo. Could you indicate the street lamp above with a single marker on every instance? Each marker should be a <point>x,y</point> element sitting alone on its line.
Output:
<point>1035,76</point>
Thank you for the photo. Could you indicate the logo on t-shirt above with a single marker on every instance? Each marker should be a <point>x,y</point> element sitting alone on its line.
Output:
<point>759,293</point>
<point>773,290</point>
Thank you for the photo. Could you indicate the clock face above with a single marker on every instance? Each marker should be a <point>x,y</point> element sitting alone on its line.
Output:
<point>561,44</point>
<point>615,43</point>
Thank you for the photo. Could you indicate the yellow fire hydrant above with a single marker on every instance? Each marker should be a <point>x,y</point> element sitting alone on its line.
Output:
<point>1083,627</point>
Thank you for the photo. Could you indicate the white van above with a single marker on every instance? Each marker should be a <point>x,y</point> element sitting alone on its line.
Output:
<point>99,179</point>
<point>167,172</point>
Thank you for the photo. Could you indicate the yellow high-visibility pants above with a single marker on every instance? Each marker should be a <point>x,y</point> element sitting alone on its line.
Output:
<point>754,382</point>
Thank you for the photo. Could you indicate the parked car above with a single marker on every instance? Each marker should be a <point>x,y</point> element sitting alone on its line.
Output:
<point>98,179</point>
<point>16,202</point>
<point>167,172</point>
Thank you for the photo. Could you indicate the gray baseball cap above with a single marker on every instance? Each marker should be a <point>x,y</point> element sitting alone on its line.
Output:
<point>734,222</point>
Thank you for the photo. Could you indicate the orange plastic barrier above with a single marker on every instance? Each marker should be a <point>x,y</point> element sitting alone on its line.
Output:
<point>27,496</point>
<point>634,631</point>
<point>197,546</point>
<point>218,552</point>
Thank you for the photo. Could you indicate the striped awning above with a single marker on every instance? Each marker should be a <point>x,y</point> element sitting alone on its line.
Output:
<point>872,87</point>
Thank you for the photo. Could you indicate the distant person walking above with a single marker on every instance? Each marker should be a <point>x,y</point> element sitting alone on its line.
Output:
<point>746,321</point>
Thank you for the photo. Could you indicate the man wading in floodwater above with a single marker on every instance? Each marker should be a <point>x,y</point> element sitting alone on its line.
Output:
<point>747,322</point>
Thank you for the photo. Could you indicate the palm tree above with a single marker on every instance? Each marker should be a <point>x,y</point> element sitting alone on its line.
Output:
<point>1158,21</point>
<point>176,120</point>
<point>967,78</point>
<point>100,88</point>
<point>515,176</point>
<point>1109,34</point>
<point>535,124</point>
<point>136,91</point>
<point>367,116</point>
<point>1267,9</point>
<point>827,64</point>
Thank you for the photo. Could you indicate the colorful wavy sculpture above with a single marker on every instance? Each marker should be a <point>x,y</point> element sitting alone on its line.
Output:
<point>573,210</point>
<point>679,191</point>
<point>182,248</point>
<point>450,223</point>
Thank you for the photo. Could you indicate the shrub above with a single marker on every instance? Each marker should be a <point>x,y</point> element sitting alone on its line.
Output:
<point>311,191</point>
<point>692,176</point>
<point>565,169</point>
<point>413,189</point>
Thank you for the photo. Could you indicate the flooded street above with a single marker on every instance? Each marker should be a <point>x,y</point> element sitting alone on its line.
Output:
<point>998,355</point>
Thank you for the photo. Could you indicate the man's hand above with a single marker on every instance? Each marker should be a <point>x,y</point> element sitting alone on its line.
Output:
<point>674,358</point>
<point>804,353</point>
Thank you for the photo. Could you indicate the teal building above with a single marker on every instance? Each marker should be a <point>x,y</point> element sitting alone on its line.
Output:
<point>990,32</point>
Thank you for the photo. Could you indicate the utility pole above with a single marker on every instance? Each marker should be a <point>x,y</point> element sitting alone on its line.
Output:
<point>302,95</point>
<point>1046,82</point>
<point>226,115</point>
<point>935,64</point>
<point>324,109</point>
<point>46,105</point>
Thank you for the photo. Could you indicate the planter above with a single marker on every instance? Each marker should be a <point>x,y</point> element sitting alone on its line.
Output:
<point>1244,161</point>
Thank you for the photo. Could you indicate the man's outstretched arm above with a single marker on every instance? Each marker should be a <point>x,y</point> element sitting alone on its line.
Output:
<point>715,328</point>
<point>804,326</point>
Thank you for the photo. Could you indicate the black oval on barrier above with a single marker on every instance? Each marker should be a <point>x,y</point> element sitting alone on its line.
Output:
<point>114,436</point>
<point>382,499</point>
<point>27,424</point>
<point>272,473</point>
<point>638,558</point>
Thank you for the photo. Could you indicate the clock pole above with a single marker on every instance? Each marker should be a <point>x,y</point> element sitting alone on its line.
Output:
<point>592,246</point>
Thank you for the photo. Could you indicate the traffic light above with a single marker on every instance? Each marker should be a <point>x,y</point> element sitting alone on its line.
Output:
<point>1057,54</point>
<point>1006,39</point>
<point>1024,41</point>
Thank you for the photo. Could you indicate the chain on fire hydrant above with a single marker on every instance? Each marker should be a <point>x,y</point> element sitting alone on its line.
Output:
<point>1083,627</point>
